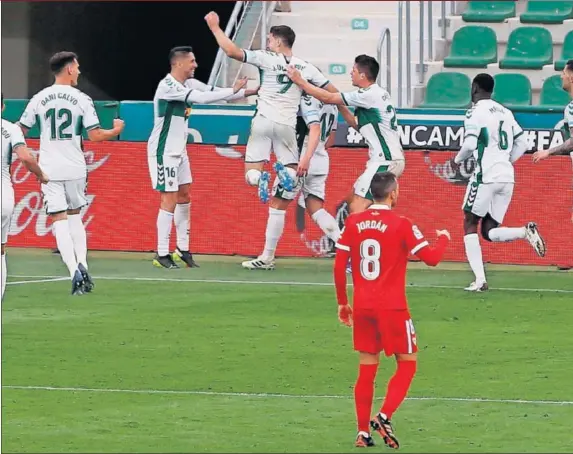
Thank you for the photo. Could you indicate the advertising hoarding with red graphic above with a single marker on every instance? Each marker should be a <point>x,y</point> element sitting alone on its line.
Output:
<point>227,217</point>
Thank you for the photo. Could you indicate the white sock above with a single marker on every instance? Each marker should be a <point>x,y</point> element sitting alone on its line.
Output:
<point>507,234</point>
<point>66,245</point>
<point>473,252</point>
<point>4,272</point>
<point>79,238</point>
<point>327,224</point>
<point>275,227</point>
<point>164,224</point>
<point>253,176</point>
<point>182,220</point>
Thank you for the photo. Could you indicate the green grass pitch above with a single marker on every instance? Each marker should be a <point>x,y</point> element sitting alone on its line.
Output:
<point>179,361</point>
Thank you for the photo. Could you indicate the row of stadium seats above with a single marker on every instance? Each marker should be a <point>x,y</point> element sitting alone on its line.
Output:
<point>475,46</point>
<point>452,90</point>
<point>536,12</point>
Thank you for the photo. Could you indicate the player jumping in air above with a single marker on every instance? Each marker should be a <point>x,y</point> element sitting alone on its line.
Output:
<point>378,241</point>
<point>167,150</point>
<point>375,119</point>
<point>273,126</point>
<point>496,141</point>
<point>567,146</point>
<point>13,142</point>
<point>62,112</point>
<point>317,123</point>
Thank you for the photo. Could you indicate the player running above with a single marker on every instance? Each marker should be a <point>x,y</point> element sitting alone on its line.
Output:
<point>273,126</point>
<point>496,141</point>
<point>167,150</point>
<point>13,142</point>
<point>567,146</point>
<point>378,241</point>
<point>318,121</point>
<point>375,120</point>
<point>62,112</point>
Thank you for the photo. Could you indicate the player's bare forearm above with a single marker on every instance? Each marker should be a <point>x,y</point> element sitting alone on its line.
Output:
<point>469,145</point>
<point>431,256</point>
<point>349,117</point>
<point>313,140</point>
<point>229,47</point>
<point>101,135</point>
<point>340,261</point>
<point>565,148</point>
<point>29,161</point>
<point>322,95</point>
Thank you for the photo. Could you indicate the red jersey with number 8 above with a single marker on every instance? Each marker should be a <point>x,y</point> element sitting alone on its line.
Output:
<point>379,242</point>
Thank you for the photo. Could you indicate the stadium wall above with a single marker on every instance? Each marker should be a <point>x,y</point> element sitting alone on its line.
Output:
<point>227,217</point>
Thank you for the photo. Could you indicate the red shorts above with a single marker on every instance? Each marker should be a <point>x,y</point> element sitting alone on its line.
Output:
<point>389,331</point>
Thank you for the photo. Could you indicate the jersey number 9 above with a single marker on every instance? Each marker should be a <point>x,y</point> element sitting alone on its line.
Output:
<point>283,79</point>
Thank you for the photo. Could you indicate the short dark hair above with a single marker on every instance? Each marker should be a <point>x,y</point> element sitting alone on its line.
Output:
<point>382,185</point>
<point>368,65</point>
<point>569,65</point>
<point>60,60</point>
<point>484,82</point>
<point>285,33</point>
<point>179,51</point>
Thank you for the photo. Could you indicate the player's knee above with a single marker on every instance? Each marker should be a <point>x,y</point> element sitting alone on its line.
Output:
<point>485,232</point>
<point>253,176</point>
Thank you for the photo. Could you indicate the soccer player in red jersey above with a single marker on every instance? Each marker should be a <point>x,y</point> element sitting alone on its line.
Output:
<point>378,242</point>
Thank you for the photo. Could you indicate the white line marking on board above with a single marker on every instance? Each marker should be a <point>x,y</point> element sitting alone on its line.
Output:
<point>321,284</point>
<point>277,395</point>
<point>37,281</point>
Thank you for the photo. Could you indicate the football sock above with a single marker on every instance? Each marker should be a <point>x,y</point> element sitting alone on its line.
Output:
<point>473,252</point>
<point>327,224</point>
<point>65,245</point>
<point>4,272</point>
<point>79,238</point>
<point>507,234</point>
<point>275,227</point>
<point>182,220</point>
<point>398,387</point>
<point>164,224</point>
<point>364,394</point>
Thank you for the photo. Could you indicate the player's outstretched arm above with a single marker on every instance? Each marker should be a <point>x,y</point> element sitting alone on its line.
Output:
<point>100,135</point>
<point>565,148</point>
<point>29,161</point>
<point>431,256</point>
<point>224,94</point>
<point>323,96</point>
<point>229,47</point>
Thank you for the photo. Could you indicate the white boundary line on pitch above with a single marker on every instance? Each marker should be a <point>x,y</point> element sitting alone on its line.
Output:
<point>323,284</point>
<point>277,395</point>
<point>36,281</point>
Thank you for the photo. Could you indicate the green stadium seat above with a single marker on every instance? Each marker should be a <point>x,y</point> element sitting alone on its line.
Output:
<point>485,11</point>
<point>448,90</point>
<point>512,90</point>
<point>528,48</point>
<point>473,46</point>
<point>547,12</point>
<point>552,93</point>
<point>566,53</point>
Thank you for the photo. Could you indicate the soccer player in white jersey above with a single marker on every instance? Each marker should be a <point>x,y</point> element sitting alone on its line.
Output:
<point>374,117</point>
<point>167,150</point>
<point>567,146</point>
<point>13,142</point>
<point>273,126</point>
<point>320,121</point>
<point>62,112</point>
<point>496,141</point>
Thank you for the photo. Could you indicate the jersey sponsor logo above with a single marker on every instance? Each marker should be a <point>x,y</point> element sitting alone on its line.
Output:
<point>417,234</point>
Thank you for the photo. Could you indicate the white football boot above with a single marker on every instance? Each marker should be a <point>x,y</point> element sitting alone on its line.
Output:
<point>532,235</point>
<point>259,264</point>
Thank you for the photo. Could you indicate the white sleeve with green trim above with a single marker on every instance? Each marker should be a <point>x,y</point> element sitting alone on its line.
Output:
<point>314,76</point>
<point>90,118</point>
<point>358,98</point>
<point>310,109</point>
<point>259,58</point>
<point>28,118</point>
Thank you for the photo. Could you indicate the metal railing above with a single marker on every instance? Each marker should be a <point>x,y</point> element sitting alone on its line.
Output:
<point>385,37</point>
<point>246,19</point>
<point>426,21</point>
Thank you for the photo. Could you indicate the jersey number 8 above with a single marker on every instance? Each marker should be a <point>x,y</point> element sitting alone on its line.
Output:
<point>370,252</point>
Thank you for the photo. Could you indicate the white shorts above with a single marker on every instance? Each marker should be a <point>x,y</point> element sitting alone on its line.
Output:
<point>314,185</point>
<point>61,196</point>
<point>484,198</point>
<point>280,192</point>
<point>266,135</point>
<point>169,172</point>
<point>362,185</point>
<point>7,210</point>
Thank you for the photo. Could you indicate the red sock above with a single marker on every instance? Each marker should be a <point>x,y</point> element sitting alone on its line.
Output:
<point>398,387</point>
<point>364,394</point>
